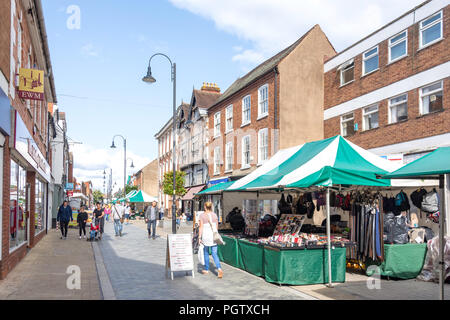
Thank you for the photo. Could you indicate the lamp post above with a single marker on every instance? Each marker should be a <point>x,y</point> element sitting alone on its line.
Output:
<point>150,79</point>
<point>113,146</point>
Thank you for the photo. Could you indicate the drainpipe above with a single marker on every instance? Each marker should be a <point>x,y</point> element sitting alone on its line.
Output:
<point>275,104</point>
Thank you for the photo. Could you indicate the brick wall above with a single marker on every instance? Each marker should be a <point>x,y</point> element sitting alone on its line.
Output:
<point>238,133</point>
<point>415,62</point>
<point>5,37</point>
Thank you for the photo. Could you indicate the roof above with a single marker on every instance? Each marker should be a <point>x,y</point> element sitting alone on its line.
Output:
<point>185,107</point>
<point>378,30</point>
<point>205,99</point>
<point>261,69</point>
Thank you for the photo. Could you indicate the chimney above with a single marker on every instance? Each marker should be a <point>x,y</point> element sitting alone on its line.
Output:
<point>211,87</point>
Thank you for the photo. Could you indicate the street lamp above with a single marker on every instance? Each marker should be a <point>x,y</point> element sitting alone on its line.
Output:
<point>150,79</point>
<point>113,146</point>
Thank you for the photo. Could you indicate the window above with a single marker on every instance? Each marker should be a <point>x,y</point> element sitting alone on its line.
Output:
<point>263,145</point>
<point>398,46</point>
<point>431,98</point>
<point>229,119</point>
<point>370,60</point>
<point>246,152</point>
<point>217,125</point>
<point>263,101</point>
<point>347,124</point>
<point>39,216</point>
<point>229,156</point>
<point>246,110</point>
<point>347,72</point>
<point>216,160</point>
<point>431,30</point>
<point>17,203</point>
<point>370,117</point>
<point>398,108</point>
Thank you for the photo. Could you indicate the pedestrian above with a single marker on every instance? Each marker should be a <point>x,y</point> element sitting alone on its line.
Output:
<point>118,213</point>
<point>82,219</point>
<point>208,224</point>
<point>99,220</point>
<point>161,211</point>
<point>107,211</point>
<point>127,212</point>
<point>64,217</point>
<point>150,217</point>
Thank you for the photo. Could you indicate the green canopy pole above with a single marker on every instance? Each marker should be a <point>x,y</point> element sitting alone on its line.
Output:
<point>442,221</point>
<point>330,280</point>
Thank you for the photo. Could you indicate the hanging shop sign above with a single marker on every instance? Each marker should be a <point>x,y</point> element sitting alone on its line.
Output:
<point>69,193</point>
<point>24,144</point>
<point>31,84</point>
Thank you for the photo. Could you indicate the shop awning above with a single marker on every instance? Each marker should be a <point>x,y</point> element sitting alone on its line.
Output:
<point>217,188</point>
<point>192,191</point>
<point>332,161</point>
<point>141,197</point>
<point>433,164</point>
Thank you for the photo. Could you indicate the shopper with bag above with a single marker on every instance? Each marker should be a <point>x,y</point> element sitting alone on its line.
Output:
<point>209,237</point>
<point>118,213</point>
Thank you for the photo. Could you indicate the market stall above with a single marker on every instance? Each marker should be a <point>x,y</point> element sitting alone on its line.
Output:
<point>316,175</point>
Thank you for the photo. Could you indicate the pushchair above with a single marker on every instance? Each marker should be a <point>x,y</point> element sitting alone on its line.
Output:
<point>94,231</point>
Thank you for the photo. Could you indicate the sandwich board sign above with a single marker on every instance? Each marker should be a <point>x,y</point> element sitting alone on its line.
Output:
<point>179,255</point>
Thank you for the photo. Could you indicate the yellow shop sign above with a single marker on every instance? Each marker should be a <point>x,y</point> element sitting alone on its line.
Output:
<point>31,84</point>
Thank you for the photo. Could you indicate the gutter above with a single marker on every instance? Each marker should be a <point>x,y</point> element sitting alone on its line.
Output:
<point>275,104</point>
<point>43,33</point>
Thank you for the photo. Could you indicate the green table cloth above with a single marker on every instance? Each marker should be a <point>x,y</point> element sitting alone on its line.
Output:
<point>303,267</point>
<point>229,252</point>
<point>403,261</point>
<point>252,257</point>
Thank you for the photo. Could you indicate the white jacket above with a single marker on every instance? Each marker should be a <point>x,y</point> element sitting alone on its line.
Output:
<point>117,211</point>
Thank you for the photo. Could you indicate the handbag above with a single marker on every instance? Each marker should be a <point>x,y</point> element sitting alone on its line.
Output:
<point>216,235</point>
<point>200,255</point>
<point>122,219</point>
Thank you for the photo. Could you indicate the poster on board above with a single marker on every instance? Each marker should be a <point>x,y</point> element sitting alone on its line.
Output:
<point>179,253</point>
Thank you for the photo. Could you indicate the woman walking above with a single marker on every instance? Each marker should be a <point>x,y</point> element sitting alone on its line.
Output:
<point>208,224</point>
<point>107,211</point>
<point>99,214</point>
<point>82,219</point>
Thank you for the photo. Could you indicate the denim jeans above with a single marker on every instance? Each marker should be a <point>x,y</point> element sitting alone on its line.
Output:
<point>214,254</point>
<point>151,224</point>
<point>117,226</point>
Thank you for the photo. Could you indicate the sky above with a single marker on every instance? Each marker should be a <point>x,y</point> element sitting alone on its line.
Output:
<point>100,50</point>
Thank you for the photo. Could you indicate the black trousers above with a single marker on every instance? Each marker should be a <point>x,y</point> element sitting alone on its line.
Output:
<point>64,227</point>
<point>82,226</point>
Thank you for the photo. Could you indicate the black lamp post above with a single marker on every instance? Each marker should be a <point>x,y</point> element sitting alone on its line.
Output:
<point>150,79</point>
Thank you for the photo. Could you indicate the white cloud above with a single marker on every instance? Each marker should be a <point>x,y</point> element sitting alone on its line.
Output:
<point>88,50</point>
<point>271,25</point>
<point>89,163</point>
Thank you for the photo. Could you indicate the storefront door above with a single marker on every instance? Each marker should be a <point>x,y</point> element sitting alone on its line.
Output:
<point>28,213</point>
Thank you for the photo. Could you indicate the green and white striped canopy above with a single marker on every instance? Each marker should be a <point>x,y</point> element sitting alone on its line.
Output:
<point>140,196</point>
<point>332,161</point>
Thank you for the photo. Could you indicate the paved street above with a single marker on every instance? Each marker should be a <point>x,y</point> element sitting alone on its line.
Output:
<point>135,266</point>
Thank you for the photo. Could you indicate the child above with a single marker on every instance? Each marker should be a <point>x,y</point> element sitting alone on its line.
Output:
<point>94,230</point>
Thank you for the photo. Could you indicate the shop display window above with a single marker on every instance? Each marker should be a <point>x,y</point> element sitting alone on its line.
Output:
<point>39,212</point>
<point>18,202</point>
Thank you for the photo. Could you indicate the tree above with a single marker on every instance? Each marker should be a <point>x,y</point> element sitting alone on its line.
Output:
<point>179,183</point>
<point>98,196</point>
<point>130,188</point>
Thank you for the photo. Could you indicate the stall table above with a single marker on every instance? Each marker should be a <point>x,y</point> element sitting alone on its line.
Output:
<point>229,253</point>
<point>251,257</point>
<point>403,261</point>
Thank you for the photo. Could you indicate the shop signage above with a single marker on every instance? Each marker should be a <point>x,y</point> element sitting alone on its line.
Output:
<point>31,84</point>
<point>69,186</point>
<point>70,193</point>
<point>33,152</point>
<point>5,113</point>
<point>213,182</point>
<point>179,255</point>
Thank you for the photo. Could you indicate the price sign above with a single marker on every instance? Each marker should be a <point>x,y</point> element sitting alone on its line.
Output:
<point>179,253</point>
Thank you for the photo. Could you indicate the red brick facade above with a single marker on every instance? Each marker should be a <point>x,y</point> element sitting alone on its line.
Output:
<point>239,131</point>
<point>417,126</point>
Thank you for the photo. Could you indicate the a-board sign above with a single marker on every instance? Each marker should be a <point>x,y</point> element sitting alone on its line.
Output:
<point>179,253</point>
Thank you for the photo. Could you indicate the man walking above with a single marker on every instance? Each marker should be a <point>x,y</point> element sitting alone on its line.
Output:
<point>150,218</point>
<point>118,213</point>
<point>64,217</point>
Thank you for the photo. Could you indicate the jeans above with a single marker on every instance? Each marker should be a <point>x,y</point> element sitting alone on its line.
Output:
<point>64,226</point>
<point>214,254</point>
<point>151,224</point>
<point>118,226</point>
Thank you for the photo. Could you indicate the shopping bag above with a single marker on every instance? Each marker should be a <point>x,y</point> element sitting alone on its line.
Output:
<point>201,258</point>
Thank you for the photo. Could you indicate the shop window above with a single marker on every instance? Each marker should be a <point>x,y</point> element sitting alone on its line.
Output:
<point>263,145</point>
<point>370,61</point>
<point>217,125</point>
<point>18,202</point>
<point>431,30</point>
<point>370,117</point>
<point>398,108</point>
<point>39,220</point>
<point>246,152</point>
<point>347,124</point>
<point>229,157</point>
<point>263,101</point>
<point>431,98</point>
<point>229,119</point>
<point>398,46</point>
<point>347,72</point>
<point>246,110</point>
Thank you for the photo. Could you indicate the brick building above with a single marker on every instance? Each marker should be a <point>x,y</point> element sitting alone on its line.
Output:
<point>24,140</point>
<point>147,179</point>
<point>390,91</point>
<point>276,105</point>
